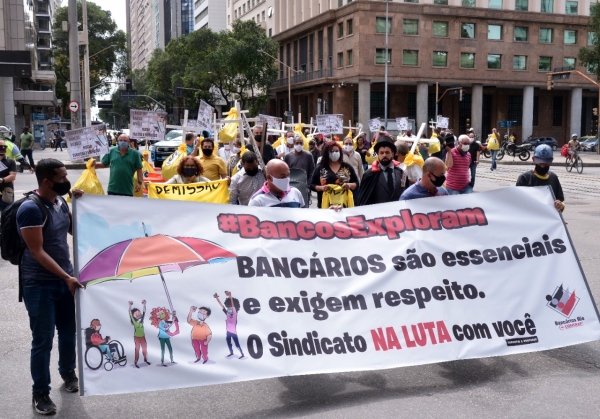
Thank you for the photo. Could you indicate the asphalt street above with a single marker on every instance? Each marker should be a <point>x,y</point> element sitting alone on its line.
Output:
<point>558,383</point>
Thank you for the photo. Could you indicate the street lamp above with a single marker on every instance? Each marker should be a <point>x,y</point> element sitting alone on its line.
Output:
<point>86,78</point>
<point>290,69</point>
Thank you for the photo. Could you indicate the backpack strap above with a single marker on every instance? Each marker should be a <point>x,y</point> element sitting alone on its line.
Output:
<point>35,198</point>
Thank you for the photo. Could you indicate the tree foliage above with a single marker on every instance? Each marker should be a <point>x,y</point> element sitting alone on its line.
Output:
<point>102,33</point>
<point>590,56</point>
<point>219,66</point>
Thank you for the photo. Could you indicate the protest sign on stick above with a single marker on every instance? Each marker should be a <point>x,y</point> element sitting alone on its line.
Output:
<point>313,291</point>
<point>402,123</point>
<point>330,124</point>
<point>205,116</point>
<point>272,121</point>
<point>83,143</point>
<point>151,125</point>
<point>374,124</point>
<point>442,122</point>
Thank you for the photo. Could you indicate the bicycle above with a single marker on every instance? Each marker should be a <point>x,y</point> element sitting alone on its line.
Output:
<point>574,161</point>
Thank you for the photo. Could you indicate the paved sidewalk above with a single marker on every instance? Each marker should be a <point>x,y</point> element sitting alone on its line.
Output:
<point>589,160</point>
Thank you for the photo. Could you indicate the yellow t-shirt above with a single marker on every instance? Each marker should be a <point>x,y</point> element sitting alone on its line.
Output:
<point>214,167</point>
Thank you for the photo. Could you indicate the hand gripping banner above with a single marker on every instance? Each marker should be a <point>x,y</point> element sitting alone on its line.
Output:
<point>188,294</point>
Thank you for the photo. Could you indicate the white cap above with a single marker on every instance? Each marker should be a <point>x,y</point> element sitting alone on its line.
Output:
<point>574,135</point>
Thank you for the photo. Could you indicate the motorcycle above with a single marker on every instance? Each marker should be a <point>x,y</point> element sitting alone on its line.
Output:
<point>522,151</point>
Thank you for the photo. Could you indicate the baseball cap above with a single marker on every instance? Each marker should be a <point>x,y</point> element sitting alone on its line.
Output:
<point>574,135</point>
<point>543,154</point>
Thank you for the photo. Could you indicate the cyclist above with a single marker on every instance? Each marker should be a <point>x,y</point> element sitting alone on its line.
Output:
<point>573,147</point>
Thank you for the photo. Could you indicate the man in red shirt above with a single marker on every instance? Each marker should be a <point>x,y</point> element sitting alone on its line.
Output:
<point>458,161</point>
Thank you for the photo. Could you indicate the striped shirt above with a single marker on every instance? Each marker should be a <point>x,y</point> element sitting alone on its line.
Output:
<point>459,176</point>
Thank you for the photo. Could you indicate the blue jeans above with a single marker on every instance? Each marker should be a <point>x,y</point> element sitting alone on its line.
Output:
<point>50,305</point>
<point>494,152</point>
<point>468,189</point>
<point>473,168</point>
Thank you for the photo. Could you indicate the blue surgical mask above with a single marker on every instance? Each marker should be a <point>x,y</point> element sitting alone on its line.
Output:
<point>123,145</point>
<point>201,316</point>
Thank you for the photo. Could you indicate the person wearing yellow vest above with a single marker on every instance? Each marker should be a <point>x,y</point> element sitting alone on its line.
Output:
<point>493,145</point>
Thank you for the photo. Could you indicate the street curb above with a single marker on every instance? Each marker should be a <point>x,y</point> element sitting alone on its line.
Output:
<point>530,163</point>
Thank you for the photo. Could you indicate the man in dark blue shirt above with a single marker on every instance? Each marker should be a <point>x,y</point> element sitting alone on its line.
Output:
<point>48,282</point>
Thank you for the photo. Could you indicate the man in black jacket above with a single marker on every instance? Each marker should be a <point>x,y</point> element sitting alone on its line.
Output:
<point>384,181</point>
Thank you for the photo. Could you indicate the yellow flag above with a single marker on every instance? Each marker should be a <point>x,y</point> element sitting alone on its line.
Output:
<point>216,192</point>
<point>336,195</point>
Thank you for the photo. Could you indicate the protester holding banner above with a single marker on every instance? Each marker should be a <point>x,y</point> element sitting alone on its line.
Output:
<point>541,175</point>
<point>246,181</point>
<point>214,166</point>
<point>431,182</point>
<point>123,162</point>
<point>276,191</point>
<point>48,281</point>
<point>384,181</point>
<point>332,171</point>
<point>353,158</point>
<point>458,161</point>
<point>189,170</point>
<point>300,159</point>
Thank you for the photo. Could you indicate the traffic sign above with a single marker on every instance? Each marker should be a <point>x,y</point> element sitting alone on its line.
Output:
<point>105,104</point>
<point>73,106</point>
<point>128,94</point>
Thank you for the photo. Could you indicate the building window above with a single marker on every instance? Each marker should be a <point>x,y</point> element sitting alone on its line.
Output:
<point>244,8</point>
<point>440,28</point>
<point>494,61</point>
<point>547,6</point>
<point>571,7</point>
<point>378,104</point>
<point>442,2</point>
<point>495,32</point>
<point>410,27</point>
<point>522,5</point>
<point>270,32</point>
<point>569,62</point>
<point>495,4</point>
<point>412,105</point>
<point>536,110</point>
<point>591,38</point>
<point>521,33</point>
<point>350,55</point>
<point>468,3</point>
<point>545,35</point>
<point>515,109</point>
<point>545,64</point>
<point>570,37</point>
<point>340,59</point>
<point>557,111</point>
<point>467,30</point>
<point>520,62</point>
<point>440,59</point>
<point>235,14</point>
<point>355,107</point>
<point>349,27</point>
<point>410,57</point>
<point>467,60</point>
<point>380,56</point>
<point>380,25</point>
<point>411,1</point>
<point>340,30</point>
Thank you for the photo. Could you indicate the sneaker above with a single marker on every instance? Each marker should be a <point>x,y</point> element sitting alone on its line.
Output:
<point>71,381</point>
<point>42,404</point>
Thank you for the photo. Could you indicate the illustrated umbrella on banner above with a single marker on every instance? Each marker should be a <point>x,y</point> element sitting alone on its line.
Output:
<point>154,255</point>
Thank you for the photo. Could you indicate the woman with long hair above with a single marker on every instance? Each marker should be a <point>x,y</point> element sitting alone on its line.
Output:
<point>189,170</point>
<point>332,171</point>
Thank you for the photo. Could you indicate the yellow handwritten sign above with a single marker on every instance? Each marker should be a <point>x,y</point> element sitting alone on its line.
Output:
<point>216,192</point>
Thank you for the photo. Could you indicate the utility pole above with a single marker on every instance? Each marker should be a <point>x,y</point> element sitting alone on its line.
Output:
<point>86,65</point>
<point>74,73</point>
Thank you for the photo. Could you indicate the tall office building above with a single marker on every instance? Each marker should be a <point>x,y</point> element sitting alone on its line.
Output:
<point>210,14</point>
<point>28,94</point>
<point>499,51</point>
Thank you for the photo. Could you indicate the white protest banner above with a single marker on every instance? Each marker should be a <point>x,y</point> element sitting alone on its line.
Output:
<point>302,291</point>
<point>402,123</point>
<point>330,124</point>
<point>190,123</point>
<point>374,124</point>
<point>442,122</point>
<point>83,143</point>
<point>273,122</point>
<point>148,125</point>
<point>205,116</point>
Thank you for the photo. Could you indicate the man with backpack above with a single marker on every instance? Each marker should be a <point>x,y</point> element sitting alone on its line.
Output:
<point>43,220</point>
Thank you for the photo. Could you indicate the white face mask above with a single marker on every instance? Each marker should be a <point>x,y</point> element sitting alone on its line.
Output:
<point>281,184</point>
<point>290,140</point>
<point>236,149</point>
<point>465,147</point>
<point>298,147</point>
<point>227,147</point>
<point>348,148</point>
<point>334,156</point>
<point>471,139</point>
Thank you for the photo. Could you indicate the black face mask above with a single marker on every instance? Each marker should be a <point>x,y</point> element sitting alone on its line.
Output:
<point>252,172</point>
<point>385,162</point>
<point>258,138</point>
<point>543,171</point>
<point>61,188</point>
<point>439,180</point>
<point>190,171</point>
<point>207,151</point>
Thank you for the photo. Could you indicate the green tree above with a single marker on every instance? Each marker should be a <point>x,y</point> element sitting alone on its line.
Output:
<point>102,33</point>
<point>590,56</point>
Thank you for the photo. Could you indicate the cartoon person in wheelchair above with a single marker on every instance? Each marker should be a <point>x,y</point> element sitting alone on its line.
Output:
<point>101,350</point>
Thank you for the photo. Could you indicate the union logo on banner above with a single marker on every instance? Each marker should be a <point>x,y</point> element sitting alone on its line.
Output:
<point>562,301</point>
